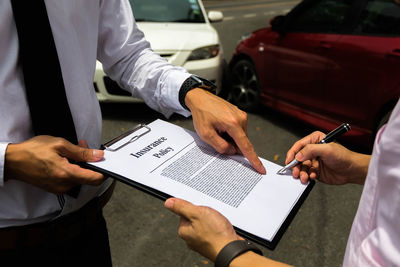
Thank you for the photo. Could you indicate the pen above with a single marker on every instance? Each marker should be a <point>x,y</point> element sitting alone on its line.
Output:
<point>345,127</point>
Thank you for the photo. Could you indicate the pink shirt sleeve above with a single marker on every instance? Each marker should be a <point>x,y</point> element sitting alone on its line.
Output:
<point>375,235</point>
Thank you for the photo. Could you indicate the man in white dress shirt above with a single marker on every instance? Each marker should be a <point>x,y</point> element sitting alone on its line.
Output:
<point>35,172</point>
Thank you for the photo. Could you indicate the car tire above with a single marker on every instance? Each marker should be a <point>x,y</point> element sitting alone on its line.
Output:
<point>244,91</point>
<point>226,82</point>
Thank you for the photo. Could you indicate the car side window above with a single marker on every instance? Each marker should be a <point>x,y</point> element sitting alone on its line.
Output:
<point>325,16</point>
<point>380,17</point>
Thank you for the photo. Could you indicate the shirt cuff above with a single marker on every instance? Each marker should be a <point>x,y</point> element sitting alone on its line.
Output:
<point>171,86</point>
<point>3,148</point>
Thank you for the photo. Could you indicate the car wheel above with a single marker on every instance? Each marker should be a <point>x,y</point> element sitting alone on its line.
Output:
<point>225,83</point>
<point>244,91</point>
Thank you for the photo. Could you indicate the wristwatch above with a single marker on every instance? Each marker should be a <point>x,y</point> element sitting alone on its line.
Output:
<point>234,249</point>
<point>195,82</point>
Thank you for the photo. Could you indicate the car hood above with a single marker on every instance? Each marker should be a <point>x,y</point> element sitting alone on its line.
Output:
<point>178,36</point>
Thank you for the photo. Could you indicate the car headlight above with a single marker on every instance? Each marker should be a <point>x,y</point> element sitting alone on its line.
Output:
<point>204,52</point>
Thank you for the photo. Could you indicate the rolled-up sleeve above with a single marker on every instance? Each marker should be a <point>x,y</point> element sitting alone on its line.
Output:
<point>128,59</point>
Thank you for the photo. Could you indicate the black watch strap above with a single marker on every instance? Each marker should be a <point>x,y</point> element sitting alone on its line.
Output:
<point>234,249</point>
<point>191,83</point>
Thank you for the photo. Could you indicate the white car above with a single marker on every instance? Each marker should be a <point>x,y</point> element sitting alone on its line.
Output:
<point>178,30</point>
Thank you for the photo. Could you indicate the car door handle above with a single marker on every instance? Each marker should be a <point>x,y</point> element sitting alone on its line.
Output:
<point>395,54</point>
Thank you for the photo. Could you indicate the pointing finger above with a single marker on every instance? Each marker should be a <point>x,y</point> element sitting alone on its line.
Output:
<point>246,148</point>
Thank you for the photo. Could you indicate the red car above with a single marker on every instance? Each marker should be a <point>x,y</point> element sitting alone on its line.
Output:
<point>326,62</point>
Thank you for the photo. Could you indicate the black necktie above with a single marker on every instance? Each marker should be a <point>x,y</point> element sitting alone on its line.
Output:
<point>43,79</point>
<point>44,84</point>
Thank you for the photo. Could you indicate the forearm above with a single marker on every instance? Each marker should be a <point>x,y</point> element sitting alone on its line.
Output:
<point>359,167</point>
<point>254,260</point>
<point>194,97</point>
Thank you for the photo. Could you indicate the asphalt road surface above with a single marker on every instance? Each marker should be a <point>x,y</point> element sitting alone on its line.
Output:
<point>143,233</point>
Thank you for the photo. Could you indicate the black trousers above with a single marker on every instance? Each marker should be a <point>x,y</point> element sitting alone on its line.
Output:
<point>90,247</point>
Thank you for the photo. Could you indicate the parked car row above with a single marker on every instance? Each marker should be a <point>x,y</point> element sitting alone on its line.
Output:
<point>169,27</point>
<point>326,62</point>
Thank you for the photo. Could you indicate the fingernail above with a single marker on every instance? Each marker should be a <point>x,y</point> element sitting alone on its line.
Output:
<point>261,168</point>
<point>299,156</point>
<point>98,153</point>
<point>169,203</point>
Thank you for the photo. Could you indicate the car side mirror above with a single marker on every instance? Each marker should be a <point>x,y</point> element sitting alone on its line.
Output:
<point>277,24</point>
<point>215,16</point>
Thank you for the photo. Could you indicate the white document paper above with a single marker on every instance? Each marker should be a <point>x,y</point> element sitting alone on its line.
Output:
<point>177,162</point>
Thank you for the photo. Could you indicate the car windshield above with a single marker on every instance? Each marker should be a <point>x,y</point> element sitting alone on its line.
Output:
<point>167,10</point>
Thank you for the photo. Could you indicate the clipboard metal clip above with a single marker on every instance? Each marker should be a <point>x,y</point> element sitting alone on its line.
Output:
<point>107,146</point>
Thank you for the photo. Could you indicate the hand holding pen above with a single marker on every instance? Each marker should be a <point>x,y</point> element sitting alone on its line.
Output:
<point>331,163</point>
<point>311,139</point>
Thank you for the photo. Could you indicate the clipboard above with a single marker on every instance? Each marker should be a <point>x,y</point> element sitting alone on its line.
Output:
<point>116,144</point>
<point>108,145</point>
<point>131,136</point>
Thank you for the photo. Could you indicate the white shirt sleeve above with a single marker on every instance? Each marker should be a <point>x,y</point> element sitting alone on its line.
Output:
<point>3,147</point>
<point>128,59</point>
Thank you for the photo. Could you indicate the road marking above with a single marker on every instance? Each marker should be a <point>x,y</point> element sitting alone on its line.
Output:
<point>270,13</point>
<point>229,18</point>
<point>251,15</point>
